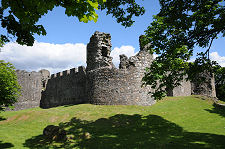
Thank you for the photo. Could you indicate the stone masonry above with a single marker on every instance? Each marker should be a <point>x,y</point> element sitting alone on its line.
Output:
<point>32,84</point>
<point>64,88</point>
<point>100,82</point>
<point>108,85</point>
<point>207,87</point>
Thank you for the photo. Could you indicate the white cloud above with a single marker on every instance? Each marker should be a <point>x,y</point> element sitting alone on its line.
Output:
<point>127,50</point>
<point>216,57</point>
<point>54,57</point>
<point>59,57</point>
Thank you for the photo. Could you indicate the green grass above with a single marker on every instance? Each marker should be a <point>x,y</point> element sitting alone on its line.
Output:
<point>178,122</point>
<point>221,102</point>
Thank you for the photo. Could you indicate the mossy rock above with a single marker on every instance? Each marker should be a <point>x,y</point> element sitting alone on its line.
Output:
<point>54,133</point>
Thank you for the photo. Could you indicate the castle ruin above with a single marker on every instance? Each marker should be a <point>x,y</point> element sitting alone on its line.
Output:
<point>32,84</point>
<point>100,82</point>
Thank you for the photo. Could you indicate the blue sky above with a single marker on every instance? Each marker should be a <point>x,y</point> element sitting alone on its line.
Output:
<point>63,29</point>
<point>64,45</point>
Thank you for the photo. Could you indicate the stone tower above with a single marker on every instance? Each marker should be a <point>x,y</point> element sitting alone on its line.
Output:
<point>107,85</point>
<point>32,84</point>
<point>101,82</point>
<point>98,51</point>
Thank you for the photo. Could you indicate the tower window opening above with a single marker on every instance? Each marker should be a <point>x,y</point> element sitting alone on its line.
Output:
<point>104,51</point>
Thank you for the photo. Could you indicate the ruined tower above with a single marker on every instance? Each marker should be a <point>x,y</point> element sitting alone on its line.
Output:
<point>101,82</point>
<point>111,86</point>
<point>98,51</point>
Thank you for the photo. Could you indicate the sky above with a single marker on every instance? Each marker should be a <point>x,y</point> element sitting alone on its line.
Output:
<point>64,46</point>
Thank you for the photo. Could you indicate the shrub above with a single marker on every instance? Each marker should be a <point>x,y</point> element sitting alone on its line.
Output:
<point>9,87</point>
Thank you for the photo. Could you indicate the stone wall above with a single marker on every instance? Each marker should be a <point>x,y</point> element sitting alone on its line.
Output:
<point>98,51</point>
<point>207,87</point>
<point>31,84</point>
<point>184,89</point>
<point>196,87</point>
<point>111,86</point>
<point>101,82</point>
<point>64,88</point>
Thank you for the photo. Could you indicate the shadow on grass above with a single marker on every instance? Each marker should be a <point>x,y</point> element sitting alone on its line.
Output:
<point>128,131</point>
<point>5,145</point>
<point>69,105</point>
<point>218,109</point>
<point>2,118</point>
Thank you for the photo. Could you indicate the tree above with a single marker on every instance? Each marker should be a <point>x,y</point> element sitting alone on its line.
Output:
<point>220,82</point>
<point>9,88</point>
<point>20,17</point>
<point>180,26</point>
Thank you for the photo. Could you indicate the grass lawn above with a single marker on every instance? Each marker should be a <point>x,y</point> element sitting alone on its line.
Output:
<point>176,122</point>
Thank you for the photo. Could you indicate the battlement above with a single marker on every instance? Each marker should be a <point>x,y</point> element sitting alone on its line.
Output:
<point>100,82</point>
<point>72,71</point>
<point>66,87</point>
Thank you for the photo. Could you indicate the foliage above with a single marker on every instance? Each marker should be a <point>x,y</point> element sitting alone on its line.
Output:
<point>180,26</point>
<point>220,82</point>
<point>20,17</point>
<point>167,124</point>
<point>9,88</point>
<point>201,64</point>
<point>119,10</point>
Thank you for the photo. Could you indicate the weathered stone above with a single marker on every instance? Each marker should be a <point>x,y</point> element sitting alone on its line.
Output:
<point>123,61</point>
<point>55,133</point>
<point>101,82</point>
<point>207,87</point>
<point>183,90</point>
<point>32,84</point>
<point>65,89</point>
<point>45,75</point>
<point>112,86</point>
<point>98,51</point>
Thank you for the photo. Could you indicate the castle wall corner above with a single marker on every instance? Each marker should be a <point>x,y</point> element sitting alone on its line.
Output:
<point>67,87</point>
<point>107,85</point>
<point>32,84</point>
<point>206,88</point>
<point>101,82</point>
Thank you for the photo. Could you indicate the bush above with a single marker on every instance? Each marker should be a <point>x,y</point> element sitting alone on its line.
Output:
<point>9,87</point>
<point>220,83</point>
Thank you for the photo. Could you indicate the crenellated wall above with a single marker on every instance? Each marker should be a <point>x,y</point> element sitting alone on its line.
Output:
<point>111,86</point>
<point>63,88</point>
<point>101,82</point>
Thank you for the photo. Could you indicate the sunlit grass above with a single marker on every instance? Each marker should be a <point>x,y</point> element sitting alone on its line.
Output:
<point>182,122</point>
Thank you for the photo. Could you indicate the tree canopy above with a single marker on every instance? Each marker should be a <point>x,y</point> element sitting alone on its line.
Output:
<point>180,26</point>
<point>20,17</point>
<point>9,87</point>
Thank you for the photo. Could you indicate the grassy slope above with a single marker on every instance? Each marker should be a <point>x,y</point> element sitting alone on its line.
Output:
<point>178,122</point>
